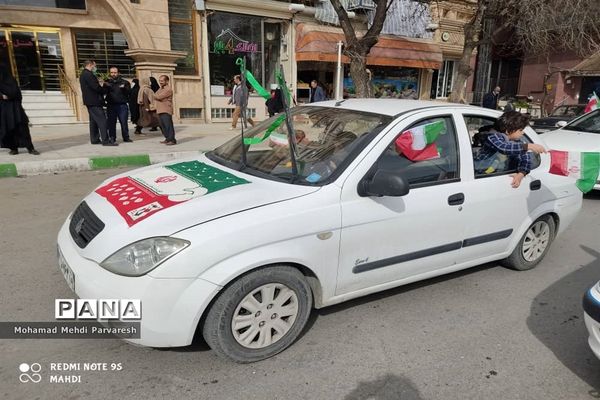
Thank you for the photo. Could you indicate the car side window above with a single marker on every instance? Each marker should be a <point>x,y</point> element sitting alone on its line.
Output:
<point>426,153</point>
<point>497,163</point>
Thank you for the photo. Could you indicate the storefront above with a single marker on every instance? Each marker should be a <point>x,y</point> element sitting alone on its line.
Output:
<point>399,67</point>
<point>256,39</point>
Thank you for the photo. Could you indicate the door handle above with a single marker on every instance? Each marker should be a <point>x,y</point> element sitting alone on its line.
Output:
<point>456,199</point>
<point>535,185</point>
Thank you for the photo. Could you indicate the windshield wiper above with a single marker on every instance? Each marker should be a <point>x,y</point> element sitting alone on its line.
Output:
<point>288,122</point>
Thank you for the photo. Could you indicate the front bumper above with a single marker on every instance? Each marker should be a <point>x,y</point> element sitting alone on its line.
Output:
<point>171,308</point>
<point>591,308</point>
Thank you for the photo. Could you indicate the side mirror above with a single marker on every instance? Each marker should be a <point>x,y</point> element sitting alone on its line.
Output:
<point>383,183</point>
<point>561,124</point>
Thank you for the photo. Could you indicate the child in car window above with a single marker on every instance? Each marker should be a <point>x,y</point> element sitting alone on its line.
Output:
<point>505,138</point>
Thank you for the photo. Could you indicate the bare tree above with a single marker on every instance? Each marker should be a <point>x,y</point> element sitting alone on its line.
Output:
<point>357,48</point>
<point>537,28</point>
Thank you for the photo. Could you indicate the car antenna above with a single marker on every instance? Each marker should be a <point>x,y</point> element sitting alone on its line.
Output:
<point>286,98</point>
<point>339,103</point>
<point>242,63</point>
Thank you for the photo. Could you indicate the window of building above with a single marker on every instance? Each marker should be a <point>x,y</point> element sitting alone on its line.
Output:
<point>107,48</point>
<point>387,82</point>
<point>443,80</point>
<point>232,36</point>
<point>181,31</point>
<point>72,4</point>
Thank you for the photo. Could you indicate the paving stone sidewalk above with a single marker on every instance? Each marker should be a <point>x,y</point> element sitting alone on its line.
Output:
<point>67,148</point>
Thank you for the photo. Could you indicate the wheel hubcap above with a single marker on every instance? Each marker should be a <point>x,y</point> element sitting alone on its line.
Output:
<point>264,316</point>
<point>536,241</point>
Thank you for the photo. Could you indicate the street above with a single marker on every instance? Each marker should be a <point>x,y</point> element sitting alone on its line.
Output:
<point>485,333</point>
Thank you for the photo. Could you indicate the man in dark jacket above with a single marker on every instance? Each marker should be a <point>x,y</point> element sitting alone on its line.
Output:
<point>316,92</point>
<point>93,98</point>
<point>117,99</point>
<point>490,100</point>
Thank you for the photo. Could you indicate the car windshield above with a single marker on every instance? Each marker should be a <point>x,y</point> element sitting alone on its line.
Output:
<point>327,140</point>
<point>590,122</point>
<point>567,111</point>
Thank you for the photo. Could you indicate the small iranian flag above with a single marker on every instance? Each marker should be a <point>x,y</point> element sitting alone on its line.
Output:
<point>593,103</point>
<point>582,166</point>
<point>418,143</point>
<point>278,139</point>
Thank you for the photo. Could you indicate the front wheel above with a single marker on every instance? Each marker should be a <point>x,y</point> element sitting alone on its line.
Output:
<point>533,246</point>
<point>259,315</point>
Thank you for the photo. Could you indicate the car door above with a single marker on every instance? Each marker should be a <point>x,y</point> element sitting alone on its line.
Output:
<point>388,239</point>
<point>493,208</point>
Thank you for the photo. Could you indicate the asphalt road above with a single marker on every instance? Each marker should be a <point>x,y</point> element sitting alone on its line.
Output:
<point>486,333</point>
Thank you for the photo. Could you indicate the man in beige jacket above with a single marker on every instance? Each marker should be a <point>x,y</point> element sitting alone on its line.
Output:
<point>163,99</point>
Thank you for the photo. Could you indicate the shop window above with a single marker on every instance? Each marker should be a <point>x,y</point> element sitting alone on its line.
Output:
<point>388,82</point>
<point>181,32</point>
<point>233,36</point>
<point>107,48</point>
<point>444,80</point>
<point>71,4</point>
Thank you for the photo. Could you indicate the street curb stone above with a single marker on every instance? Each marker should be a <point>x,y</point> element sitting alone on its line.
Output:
<point>88,164</point>
<point>8,170</point>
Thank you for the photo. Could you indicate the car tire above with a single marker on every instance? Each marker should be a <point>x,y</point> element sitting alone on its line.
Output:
<point>259,315</point>
<point>533,246</point>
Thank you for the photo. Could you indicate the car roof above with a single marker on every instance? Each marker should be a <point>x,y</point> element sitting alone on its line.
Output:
<point>391,107</point>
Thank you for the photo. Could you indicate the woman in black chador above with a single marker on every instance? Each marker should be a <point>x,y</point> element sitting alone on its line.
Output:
<point>14,124</point>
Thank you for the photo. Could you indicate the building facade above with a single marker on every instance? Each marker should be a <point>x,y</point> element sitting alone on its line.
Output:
<point>198,43</point>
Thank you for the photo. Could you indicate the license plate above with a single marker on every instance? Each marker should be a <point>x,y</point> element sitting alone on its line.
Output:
<point>66,271</point>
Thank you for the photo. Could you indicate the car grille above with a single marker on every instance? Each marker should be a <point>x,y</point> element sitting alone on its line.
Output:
<point>85,225</point>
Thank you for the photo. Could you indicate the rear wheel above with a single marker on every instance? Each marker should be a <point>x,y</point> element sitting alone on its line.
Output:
<point>533,246</point>
<point>259,315</point>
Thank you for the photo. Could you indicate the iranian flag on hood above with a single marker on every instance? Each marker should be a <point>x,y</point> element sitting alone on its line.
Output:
<point>418,143</point>
<point>582,166</point>
<point>593,104</point>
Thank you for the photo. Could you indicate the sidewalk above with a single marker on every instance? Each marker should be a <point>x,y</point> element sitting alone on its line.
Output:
<point>66,148</point>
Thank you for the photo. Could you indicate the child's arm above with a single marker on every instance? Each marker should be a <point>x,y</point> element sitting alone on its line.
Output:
<point>507,147</point>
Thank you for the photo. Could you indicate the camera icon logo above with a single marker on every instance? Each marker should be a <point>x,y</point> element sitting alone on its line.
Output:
<point>30,373</point>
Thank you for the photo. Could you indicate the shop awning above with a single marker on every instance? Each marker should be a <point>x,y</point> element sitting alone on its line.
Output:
<point>588,67</point>
<point>318,43</point>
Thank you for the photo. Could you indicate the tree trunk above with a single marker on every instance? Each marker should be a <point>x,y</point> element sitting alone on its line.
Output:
<point>463,73</point>
<point>360,77</point>
<point>472,36</point>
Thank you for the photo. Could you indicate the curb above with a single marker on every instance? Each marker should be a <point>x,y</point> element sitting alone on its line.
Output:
<point>88,164</point>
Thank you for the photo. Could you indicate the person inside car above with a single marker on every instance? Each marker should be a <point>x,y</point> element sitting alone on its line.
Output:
<point>505,138</point>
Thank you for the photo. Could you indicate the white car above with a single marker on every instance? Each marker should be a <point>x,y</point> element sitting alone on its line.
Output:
<point>580,135</point>
<point>240,246</point>
<point>591,308</point>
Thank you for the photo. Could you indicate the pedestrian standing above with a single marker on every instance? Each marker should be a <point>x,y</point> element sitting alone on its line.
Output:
<point>316,92</point>
<point>117,99</point>
<point>14,124</point>
<point>134,107</point>
<point>93,98</point>
<point>154,86</point>
<point>490,100</point>
<point>145,99</point>
<point>164,108</point>
<point>239,98</point>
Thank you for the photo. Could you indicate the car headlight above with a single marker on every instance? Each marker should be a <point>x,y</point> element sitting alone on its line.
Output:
<point>142,257</point>
<point>531,123</point>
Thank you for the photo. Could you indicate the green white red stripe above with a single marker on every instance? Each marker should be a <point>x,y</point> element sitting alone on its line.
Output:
<point>584,167</point>
<point>593,104</point>
<point>418,143</point>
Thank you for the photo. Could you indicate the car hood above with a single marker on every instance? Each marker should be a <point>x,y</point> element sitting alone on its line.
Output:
<point>564,139</point>
<point>165,198</point>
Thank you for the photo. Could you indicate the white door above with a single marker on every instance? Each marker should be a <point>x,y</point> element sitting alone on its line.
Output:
<point>495,210</point>
<point>386,239</point>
